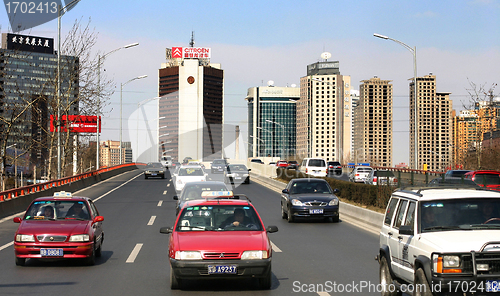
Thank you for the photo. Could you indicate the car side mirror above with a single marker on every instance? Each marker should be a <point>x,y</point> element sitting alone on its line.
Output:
<point>249,170</point>
<point>97,219</point>
<point>406,230</point>
<point>17,220</point>
<point>166,230</point>
<point>272,229</point>
<point>285,191</point>
<point>176,197</point>
<point>336,191</point>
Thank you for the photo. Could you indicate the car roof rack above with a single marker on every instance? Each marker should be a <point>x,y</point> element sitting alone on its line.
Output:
<point>419,189</point>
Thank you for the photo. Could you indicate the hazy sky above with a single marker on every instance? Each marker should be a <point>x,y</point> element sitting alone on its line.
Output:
<point>256,41</point>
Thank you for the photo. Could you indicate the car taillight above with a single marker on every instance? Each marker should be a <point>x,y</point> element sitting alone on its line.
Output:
<point>374,179</point>
<point>395,180</point>
<point>306,170</point>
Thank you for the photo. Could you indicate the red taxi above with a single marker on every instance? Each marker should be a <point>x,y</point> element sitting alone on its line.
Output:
<point>282,163</point>
<point>59,226</point>
<point>485,178</point>
<point>219,238</point>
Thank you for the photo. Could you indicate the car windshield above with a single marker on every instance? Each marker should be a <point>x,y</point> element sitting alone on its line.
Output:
<point>455,173</point>
<point>237,168</point>
<point>460,214</point>
<point>190,172</point>
<point>488,179</point>
<point>219,162</point>
<point>219,218</point>
<point>55,209</point>
<point>310,187</point>
<point>155,165</point>
<point>193,191</point>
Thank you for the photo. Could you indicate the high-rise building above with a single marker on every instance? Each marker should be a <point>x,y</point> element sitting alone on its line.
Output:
<point>28,93</point>
<point>434,126</point>
<point>324,113</point>
<point>373,123</point>
<point>272,121</point>
<point>110,153</point>
<point>191,105</point>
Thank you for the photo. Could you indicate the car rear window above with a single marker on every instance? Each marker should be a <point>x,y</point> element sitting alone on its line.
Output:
<point>488,179</point>
<point>364,170</point>
<point>384,174</point>
<point>316,163</point>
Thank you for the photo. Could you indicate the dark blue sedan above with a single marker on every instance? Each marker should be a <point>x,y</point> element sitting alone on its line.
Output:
<point>309,198</point>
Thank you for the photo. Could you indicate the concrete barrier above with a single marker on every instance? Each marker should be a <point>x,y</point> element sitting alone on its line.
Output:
<point>359,214</point>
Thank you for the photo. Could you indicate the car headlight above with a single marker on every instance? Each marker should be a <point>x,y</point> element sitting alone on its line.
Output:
<point>250,255</point>
<point>24,238</point>
<point>333,202</point>
<point>148,172</point>
<point>161,172</point>
<point>79,238</point>
<point>297,202</point>
<point>451,261</point>
<point>187,255</point>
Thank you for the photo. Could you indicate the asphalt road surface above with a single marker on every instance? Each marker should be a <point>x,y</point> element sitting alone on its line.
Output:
<point>310,257</point>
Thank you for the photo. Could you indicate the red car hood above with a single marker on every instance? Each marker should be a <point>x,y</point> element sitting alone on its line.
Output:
<point>58,227</point>
<point>222,241</point>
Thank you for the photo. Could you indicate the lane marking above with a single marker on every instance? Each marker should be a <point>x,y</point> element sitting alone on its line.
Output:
<point>6,245</point>
<point>275,248</point>
<point>94,200</point>
<point>134,253</point>
<point>164,192</point>
<point>160,203</point>
<point>168,185</point>
<point>323,294</point>
<point>151,220</point>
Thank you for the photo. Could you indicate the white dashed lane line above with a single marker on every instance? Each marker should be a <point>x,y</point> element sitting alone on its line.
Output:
<point>134,253</point>
<point>160,203</point>
<point>164,192</point>
<point>152,220</point>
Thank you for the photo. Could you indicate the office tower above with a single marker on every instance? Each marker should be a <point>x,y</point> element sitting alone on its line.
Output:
<point>272,121</point>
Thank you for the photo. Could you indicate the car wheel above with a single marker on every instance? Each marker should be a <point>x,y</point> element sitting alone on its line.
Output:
<point>163,176</point>
<point>91,259</point>
<point>335,219</point>
<point>98,252</point>
<point>20,261</point>
<point>266,281</point>
<point>146,177</point>
<point>283,213</point>
<point>289,216</point>
<point>175,283</point>
<point>421,282</point>
<point>386,280</point>
<point>247,181</point>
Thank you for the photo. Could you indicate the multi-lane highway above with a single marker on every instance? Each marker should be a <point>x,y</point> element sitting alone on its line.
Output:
<point>308,256</point>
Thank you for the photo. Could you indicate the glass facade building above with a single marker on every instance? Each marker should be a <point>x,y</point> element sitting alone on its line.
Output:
<point>272,117</point>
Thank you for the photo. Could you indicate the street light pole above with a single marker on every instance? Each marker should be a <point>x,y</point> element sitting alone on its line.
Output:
<point>282,138</point>
<point>99,58</point>
<point>121,109</point>
<point>263,129</point>
<point>413,50</point>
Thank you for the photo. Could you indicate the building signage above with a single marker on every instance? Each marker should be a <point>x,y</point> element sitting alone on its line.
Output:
<point>191,52</point>
<point>30,43</point>
<point>76,123</point>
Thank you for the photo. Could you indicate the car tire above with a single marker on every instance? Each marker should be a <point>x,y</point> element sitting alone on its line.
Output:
<point>335,219</point>
<point>247,181</point>
<point>386,280</point>
<point>289,216</point>
<point>20,261</point>
<point>265,282</point>
<point>91,259</point>
<point>283,213</point>
<point>146,177</point>
<point>421,281</point>
<point>98,252</point>
<point>175,283</point>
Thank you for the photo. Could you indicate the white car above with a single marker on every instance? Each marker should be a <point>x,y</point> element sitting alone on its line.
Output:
<point>441,239</point>
<point>381,177</point>
<point>187,174</point>
<point>360,173</point>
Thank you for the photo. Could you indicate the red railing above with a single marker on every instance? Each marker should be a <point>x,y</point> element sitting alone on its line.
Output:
<point>13,193</point>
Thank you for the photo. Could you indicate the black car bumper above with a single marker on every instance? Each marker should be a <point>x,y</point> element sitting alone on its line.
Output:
<point>154,174</point>
<point>314,211</point>
<point>198,269</point>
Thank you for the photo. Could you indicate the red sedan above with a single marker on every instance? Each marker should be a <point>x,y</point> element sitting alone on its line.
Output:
<point>485,178</point>
<point>282,163</point>
<point>219,238</point>
<point>59,226</point>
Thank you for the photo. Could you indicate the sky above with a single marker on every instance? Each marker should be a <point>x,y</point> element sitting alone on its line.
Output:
<point>257,41</point>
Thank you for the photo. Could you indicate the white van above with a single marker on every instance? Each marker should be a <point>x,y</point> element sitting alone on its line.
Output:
<point>314,166</point>
<point>166,161</point>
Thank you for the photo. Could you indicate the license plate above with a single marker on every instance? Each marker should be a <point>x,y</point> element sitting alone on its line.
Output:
<point>237,178</point>
<point>51,252</point>
<point>153,174</point>
<point>315,211</point>
<point>220,170</point>
<point>493,286</point>
<point>222,269</point>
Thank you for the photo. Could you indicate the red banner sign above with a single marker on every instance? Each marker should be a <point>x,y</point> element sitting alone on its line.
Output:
<point>76,123</point>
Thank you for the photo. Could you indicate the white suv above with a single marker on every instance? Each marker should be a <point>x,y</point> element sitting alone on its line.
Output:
<point>436,240</point>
